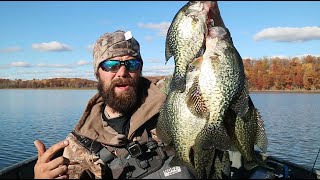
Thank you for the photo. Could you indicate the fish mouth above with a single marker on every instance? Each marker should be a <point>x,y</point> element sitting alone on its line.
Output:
<point>214,17</point>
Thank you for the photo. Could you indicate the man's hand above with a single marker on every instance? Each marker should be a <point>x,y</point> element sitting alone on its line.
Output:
<point>46,168</point>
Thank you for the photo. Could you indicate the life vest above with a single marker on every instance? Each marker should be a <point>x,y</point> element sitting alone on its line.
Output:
<point>139,159</point>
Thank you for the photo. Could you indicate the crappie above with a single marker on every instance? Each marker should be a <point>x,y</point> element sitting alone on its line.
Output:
<point>246,132</point>
<point>220,82</point>
<point>233,121</point>
<point>186,37</point>
<point>178,127</point>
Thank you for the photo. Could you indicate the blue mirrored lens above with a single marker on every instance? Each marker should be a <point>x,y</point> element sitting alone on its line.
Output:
<point>114,65</point>
<point>133,65</point>
<point>110,65</point>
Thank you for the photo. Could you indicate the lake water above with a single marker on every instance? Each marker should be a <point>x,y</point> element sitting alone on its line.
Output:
<point>292,122</point>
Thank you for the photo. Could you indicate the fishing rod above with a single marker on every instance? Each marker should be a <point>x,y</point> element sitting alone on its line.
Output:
<point>314,163</point>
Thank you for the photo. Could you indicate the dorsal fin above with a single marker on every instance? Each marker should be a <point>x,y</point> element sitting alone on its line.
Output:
<point>195,101</point>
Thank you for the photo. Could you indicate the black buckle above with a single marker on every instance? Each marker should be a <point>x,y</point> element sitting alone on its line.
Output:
<point>134,149</point>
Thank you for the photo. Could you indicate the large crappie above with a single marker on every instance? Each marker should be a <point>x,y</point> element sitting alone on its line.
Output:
<point>186,38</point>
<point>178,127</point>
<point>233,121</point>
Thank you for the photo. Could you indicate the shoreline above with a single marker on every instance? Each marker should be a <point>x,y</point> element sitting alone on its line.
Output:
<point>251,91</point>
<point>286,91</point>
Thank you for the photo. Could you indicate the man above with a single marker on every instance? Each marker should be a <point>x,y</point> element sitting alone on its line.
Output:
<point>115,137</point>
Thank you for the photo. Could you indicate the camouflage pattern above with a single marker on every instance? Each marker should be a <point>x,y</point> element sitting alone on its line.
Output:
<point>114,44</point>
<point>82,159</point>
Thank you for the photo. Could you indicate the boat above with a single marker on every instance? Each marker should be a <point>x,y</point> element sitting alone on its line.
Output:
<point>283,169</point>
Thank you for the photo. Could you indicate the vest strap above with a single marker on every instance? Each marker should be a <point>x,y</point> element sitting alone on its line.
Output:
<point>95,147</point>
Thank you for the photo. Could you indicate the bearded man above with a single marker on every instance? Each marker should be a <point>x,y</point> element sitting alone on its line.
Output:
<point>115,137</point>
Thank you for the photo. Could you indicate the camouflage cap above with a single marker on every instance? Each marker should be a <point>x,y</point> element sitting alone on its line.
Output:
<point>118,43</point>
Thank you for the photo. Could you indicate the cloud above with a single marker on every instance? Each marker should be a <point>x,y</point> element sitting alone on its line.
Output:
<point>54,65</point>
<point>25,64</point>
<point>155,60</point>
<point>10,49</point>
<point>20,64</point>
<point>51,46</point>
<point>289,34</point>
<point>162,27</point>
<point>82,62</point>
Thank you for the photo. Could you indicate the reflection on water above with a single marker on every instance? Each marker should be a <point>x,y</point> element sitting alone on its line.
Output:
<point>291,121</point>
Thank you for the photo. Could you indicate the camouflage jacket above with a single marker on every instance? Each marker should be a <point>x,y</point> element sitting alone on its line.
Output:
<point>92,126</point>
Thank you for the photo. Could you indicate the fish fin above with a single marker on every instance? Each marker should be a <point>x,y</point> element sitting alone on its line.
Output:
<point>164,84</point>
<point>261,137</point>
<point>195,101</point>
<point>222,166</point>
<point>168,52</point>
<point>241,104</point>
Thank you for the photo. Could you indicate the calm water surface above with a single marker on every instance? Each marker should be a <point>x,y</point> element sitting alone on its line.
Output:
<point>292,122</point>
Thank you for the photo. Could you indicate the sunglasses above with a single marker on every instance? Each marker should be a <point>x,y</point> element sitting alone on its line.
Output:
<point>111,65</point>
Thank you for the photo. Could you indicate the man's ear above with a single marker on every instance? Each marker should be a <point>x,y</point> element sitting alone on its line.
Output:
<point>98,75</point>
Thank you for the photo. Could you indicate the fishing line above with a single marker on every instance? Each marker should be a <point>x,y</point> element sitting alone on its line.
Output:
<point>314,163</point>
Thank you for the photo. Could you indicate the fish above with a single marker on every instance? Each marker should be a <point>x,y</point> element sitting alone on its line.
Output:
<point>208,110</point>
<point>178,127</point>
<point>233,123</point>
<point>245,133</point>
<point>186,38</point>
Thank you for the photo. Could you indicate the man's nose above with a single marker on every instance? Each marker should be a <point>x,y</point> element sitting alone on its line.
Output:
<point>123,72</point>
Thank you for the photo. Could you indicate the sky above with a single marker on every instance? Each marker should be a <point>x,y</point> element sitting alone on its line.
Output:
<point>54,39</point>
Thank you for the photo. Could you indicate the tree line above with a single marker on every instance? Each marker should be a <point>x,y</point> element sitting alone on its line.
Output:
<point>57,83</point>
<point>48,83</point>
<point>263,74</point>
<point>283,73</point>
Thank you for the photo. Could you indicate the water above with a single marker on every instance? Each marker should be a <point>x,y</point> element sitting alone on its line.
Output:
<point>26,115</point>
<point>292,122</point>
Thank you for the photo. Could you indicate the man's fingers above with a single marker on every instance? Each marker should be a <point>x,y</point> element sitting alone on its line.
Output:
<point>40,147</point>
<point>58,162</point>
<point>53,149</point>
<point>59,171</point>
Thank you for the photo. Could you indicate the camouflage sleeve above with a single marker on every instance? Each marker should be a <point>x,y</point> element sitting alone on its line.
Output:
<point>81,160</point>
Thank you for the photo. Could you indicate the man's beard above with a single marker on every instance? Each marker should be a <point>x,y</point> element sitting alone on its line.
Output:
<point>123,103</point>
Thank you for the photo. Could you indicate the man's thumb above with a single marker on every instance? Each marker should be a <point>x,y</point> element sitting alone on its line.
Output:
<point>40,147</point>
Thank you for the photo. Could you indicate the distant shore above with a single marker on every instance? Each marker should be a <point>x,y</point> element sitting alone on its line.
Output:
<point>285,91</point>
<point>251,91</point>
